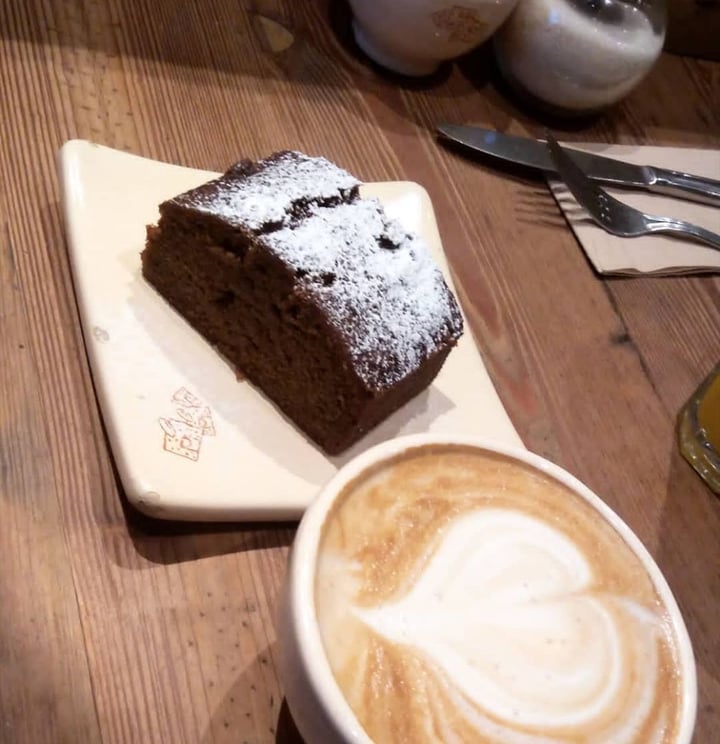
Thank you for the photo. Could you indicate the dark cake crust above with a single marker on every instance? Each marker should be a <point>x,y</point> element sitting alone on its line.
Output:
<point>323,303</point>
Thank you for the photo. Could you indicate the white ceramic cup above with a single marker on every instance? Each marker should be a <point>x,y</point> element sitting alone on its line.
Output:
<point>321,713</point>
<point>412,37</point>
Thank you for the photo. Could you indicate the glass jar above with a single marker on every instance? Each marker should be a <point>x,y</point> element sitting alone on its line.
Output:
<point>699,430</point>
<point>574,57</point>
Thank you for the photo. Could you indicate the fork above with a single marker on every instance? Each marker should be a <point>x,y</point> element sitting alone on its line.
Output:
<point>613,215</point>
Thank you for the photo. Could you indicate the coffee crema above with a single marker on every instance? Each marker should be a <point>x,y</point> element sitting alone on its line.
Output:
<point>463,596</point>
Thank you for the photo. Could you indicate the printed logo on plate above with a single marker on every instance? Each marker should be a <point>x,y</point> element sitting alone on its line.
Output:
<point>183,434</point>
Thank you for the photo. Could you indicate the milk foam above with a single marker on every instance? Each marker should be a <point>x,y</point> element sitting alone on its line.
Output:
<point>463,597</point>
<point>502,609</point>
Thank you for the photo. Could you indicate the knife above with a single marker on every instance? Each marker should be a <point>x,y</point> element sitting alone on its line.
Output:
<point>534,154</point>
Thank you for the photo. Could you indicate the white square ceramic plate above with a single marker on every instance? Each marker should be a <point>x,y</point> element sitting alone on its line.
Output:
<point>191,441</point>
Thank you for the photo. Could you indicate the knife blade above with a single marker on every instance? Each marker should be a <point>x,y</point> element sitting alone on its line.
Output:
<point>533,153</point>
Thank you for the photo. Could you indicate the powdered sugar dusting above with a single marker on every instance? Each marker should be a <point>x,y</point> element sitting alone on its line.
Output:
<point>379,286</point>
<point>267,197</point>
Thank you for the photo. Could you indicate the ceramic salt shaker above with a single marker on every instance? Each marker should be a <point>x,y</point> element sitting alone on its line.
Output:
<point>413,37</point>
<point>573,57</point>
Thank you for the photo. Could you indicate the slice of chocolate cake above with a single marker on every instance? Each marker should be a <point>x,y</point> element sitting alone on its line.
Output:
<point>329,307</point>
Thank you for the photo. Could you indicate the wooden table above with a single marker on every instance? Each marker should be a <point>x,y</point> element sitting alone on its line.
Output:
<point>117,629</point>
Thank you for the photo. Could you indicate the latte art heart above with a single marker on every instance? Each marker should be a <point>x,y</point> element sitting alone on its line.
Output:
<point>464,597</point>
<point>505,610</point>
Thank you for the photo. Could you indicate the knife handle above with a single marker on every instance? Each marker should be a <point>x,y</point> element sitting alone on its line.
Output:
<point>684,185</point>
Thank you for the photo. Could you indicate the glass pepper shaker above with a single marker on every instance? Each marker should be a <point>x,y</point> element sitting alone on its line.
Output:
<point>574,57</point>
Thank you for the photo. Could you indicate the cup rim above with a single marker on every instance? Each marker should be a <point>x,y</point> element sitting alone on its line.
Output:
<point>301,576</point>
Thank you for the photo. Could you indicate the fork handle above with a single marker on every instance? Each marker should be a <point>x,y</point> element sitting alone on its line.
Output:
<point>687,229</point>
<point>683,185</point>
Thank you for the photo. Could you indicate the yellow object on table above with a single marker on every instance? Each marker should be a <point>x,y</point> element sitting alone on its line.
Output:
<point>699,430</point>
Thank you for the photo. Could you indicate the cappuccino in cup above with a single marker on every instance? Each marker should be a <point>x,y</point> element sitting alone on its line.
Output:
<point>466,595</point>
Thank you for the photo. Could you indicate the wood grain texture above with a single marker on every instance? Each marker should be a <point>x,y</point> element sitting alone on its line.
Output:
<point>118,629</point>
<point>41,643</point>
